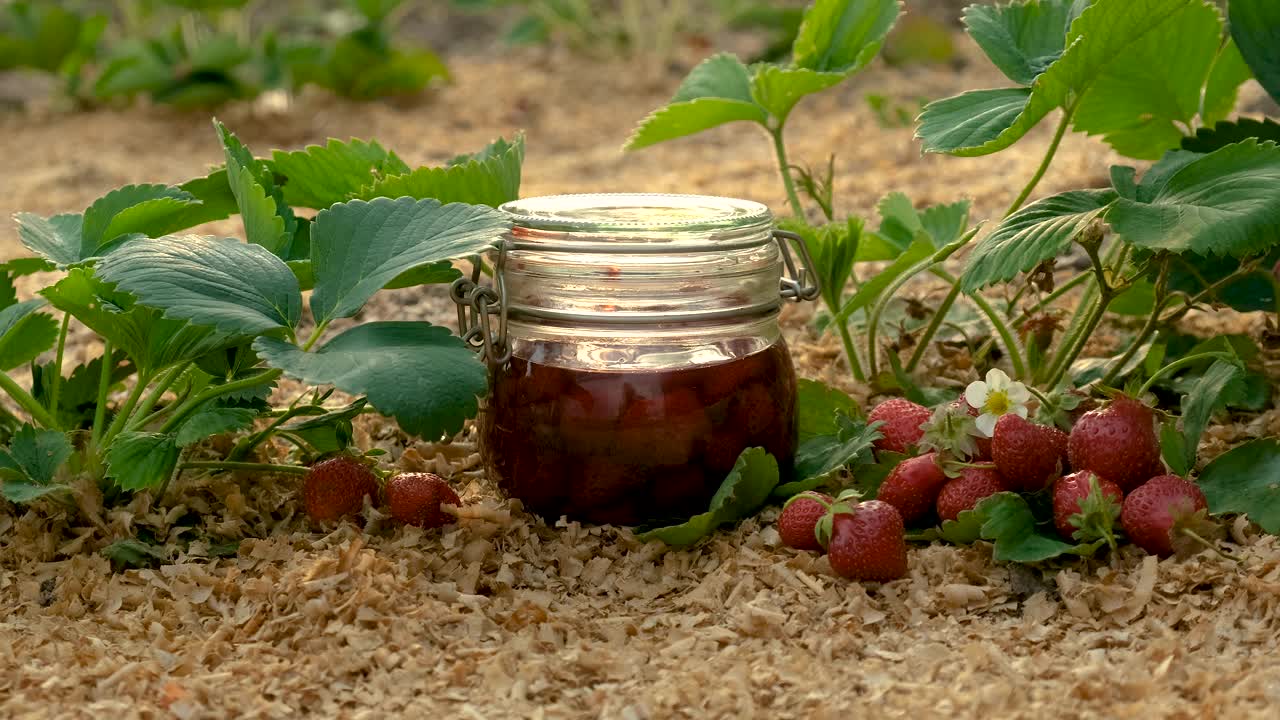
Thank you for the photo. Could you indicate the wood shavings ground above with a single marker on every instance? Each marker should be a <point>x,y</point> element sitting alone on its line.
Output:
<point>504,615</point>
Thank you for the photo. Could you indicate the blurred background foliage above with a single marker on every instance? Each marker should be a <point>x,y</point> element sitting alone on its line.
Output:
<point>203,53</point>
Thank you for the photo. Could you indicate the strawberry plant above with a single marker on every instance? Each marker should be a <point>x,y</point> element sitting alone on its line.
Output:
<point>196,330</point>
<point>48,37</point>
<point>1195,231</point>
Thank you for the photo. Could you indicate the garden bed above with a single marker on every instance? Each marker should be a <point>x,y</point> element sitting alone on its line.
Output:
<point>504,615</point>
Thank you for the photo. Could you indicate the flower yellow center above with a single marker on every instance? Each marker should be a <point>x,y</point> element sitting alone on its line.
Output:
<point>997,402</point>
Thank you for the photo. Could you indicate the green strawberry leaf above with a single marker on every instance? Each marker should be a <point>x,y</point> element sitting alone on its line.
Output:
<point>743,492</point>
<point>1206,396</point>
<point>1174,450</point>
<point>870,290</point>
<point>424,376</point>
<point>821,455</point>
<point>264,224</point>
<point>133,553</point>
<point>1228,73</point>
<point>901,223</point>
<point>1022,39</point>
<point>150,340</point>
<point>969,123</point>
<point>57,238</point>
<point>141,460</point>
<point>834,249</point>
<point>319,176</point>
<point>716,92</point>
<point>28,466</point>
<point>1010,524</point>
<point>25,333</point>
<point>966,529</point>
<point>358,247</point>
<point>1255,27</point>
<point>817,405</point>
<point>1223,203</point>
<point>868,478</point>
<point>236,288</point>
<point>843,35</point>
<point>328,432</point>
<point>212,420</point>
<point>1246,480</point>
<point>778,89</point>
<point>1038,232</point>
<point>131,209</point>
<point>989,121</point>
<point>1225,133</point>
<point>489,177</point>
<point>19,267</point>
<point>1141,96</point>
<point>215,196</point>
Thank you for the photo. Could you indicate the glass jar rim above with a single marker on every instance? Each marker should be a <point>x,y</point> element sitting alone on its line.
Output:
<point>637,212</point>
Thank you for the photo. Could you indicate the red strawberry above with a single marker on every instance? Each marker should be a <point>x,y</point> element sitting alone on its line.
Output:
<point>867,544</point>
<point>1167,514</point>
<point>1118,442</point>
<point>337,487</point>
<point>902,420</point>
<point>913,486</point>
<point>976,482</point>
<point>1086,507</point>
<point>1028,455</point>
<point>415,499</point>
<point>799,518</point>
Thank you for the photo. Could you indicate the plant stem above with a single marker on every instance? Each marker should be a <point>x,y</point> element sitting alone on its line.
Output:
<point>850,350</point>
<point>104,387</point>
<point>1058,292</point>
<point>229,465</point>
<point>161,387</point>
<point>1044,164</point>
<point>1007,338</point>
<point>1179,364</point>
<point>210,393</point>
<point>934,323</point>
<point>780,150</point>
<point>126,410</point>
<point>315,335</point>
<point>1153,321</point>
<point>1213,288</point>
<point>37,411</point>
<point>1074,343</point>
<point>55,383</point>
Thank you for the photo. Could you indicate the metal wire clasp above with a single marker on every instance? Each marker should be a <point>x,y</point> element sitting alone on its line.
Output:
<point>799,284</point>
<point>476,305</point>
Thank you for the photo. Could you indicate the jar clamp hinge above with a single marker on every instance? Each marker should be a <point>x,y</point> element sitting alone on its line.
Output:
<point>477,304</point>
<point>799,284</point>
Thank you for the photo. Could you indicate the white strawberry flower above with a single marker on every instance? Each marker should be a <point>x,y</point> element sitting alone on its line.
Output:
<point>995,397</point>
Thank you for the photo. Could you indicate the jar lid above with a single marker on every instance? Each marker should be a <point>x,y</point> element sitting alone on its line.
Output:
<point>637,212</point>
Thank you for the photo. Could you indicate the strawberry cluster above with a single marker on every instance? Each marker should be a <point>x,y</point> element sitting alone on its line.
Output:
<point>337,487</point>
<point>1104,479</point>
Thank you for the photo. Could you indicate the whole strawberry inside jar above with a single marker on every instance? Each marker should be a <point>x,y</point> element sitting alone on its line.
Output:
<point>635,351</point>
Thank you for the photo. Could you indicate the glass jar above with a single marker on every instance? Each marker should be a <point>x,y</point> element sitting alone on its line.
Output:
<point>636,353</point>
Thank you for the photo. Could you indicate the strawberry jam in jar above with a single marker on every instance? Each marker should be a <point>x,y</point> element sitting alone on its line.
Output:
<point>637,352</point>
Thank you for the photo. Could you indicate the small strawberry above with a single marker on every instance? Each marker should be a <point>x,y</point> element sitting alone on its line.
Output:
<point>902,424</point>
<point>913,486</point>
<point>336,487</point>
<point>1168,514</point>
<point>865,542</point>
<point>1086,507</point>
<point>1117,441</point>
<point>800,517</point>
<point>975,483</point>
<point>952,430</point>
<point>415,499</point>
<point>1028,455</point>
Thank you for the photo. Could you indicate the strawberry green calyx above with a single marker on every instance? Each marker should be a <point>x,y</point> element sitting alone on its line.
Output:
<point>823,529</point>
<point>1099,513</point>
<point>951,429</point>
